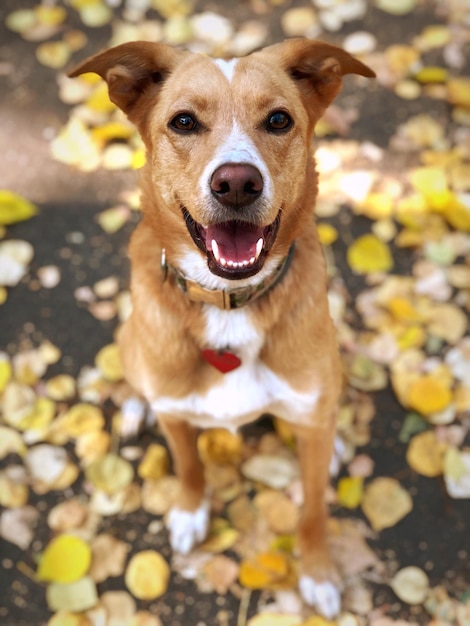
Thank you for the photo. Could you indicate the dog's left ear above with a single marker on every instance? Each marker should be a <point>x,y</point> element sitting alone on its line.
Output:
<point>318,67</point>
<point>134,72</point>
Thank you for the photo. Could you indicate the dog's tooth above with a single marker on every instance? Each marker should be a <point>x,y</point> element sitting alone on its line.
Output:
<point>230,263</point>
<point>259,247</point>
<point>252,260</point>
<point>215,250</point>
<point>223,261</point>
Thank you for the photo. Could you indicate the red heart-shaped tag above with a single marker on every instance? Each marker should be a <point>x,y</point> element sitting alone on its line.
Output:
<point>223,361</point>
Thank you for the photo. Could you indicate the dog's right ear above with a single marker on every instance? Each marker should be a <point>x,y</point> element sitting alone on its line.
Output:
<point>134,72</point>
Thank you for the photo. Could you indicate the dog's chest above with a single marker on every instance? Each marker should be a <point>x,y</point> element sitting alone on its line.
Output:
<point>243,394</point>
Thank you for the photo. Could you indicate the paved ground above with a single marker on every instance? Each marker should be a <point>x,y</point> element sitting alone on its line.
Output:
<point>433,537</point>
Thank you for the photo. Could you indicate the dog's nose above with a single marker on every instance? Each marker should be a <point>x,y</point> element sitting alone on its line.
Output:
<point>236,184</point>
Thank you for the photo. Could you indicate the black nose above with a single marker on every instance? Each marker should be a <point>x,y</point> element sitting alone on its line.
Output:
<point>236,184</point>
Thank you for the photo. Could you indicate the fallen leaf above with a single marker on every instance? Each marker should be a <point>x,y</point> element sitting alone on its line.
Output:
<point>369,254</point>
<point>271,619</point>
<point>265,570</point>
<point>147,575</point>
<point>14,208</point>
<point>155,463</point>
<point>108,361</point>
<point>110,474</point>
<point>221,572</point>
<point>350,491</point>
<point>219,446</point>
<point>385,502</point>
<point>411,585</point>
<point>425,454</point>
<point>429,394</point>
<point>77,596</point>
<point>108,557</point>
<point>17,525</point>
<point>65,560</point>
<point>273,471</point>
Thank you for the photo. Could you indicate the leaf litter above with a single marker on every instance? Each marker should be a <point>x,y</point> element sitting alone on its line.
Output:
<point>412,338</point>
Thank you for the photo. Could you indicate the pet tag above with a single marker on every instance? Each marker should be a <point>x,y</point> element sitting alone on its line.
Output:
<point>222,360</point>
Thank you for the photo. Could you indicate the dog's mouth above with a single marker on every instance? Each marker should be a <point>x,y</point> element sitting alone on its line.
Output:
<point>234,249</point>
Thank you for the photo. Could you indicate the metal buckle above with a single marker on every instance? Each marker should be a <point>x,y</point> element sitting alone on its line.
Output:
<point>164,265</point>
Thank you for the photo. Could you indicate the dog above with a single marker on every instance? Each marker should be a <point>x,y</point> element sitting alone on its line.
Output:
<point>230,315</point>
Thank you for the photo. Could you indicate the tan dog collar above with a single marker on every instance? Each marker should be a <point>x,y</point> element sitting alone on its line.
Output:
<point>226,300</point>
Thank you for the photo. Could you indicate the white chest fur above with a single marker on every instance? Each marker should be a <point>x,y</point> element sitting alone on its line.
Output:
<point>244,393</point>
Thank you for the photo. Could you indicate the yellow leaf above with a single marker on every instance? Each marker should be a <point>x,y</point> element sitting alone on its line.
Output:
<point>454,464</point>
<point>110,473</point>
<point>221,536</point>
<point>431,182</point>
<point>219,446</point>
<point>112,130</point>
<point>459,91</point>
<point>264,570</point>
<point>385,503</point>
<point>65,560</point>
<point>61,387</point>
<point>368,254</point>
<point>14,208</point>
<point>411,337</point>
<point>99,101</point>
<point>138,159</point>
<point>377,205</point>
<point>108,361</point>
<point>402,310</point>
<point>75,597</point>
<point>155,463</point>
<point>5,372</point>
<point>50,15</point>
<point>54,54</point>
<point>318,621</point>
<point>40,417</point>
<point>457,214</point>
<point>3,293</point>
<point>350,491</point>
<point>66,618</point>
<point>81,418</point>
<point>272,619</point>
<point>425,454</point>
<point>327,234</point>
<point>429,394</point>
<point>147,575</point>
<point>431,75</point>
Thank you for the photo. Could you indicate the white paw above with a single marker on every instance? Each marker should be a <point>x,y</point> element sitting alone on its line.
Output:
<point>132,416</point>
<point>325,596</point>
<point>339,454</point>
<point>188,528</point>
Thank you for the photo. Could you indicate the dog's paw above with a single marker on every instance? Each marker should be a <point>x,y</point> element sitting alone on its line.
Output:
<point>188,528</point>
<point>132,416</point>
<point>324,596</point>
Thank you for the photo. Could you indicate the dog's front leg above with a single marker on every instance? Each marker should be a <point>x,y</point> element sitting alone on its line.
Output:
<point>319,580</point>
<point>188,521</point>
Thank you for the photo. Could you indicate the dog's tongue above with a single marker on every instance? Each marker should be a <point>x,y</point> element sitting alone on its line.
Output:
<point>235,242</point>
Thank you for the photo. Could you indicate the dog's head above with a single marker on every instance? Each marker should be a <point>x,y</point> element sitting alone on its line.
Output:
<point>229,142</point>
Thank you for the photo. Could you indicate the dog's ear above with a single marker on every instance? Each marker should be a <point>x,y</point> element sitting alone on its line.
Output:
<point>134,72</point>
<point>318,67</point>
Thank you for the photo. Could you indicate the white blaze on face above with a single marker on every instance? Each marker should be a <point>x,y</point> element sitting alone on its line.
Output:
<point>237,146</point>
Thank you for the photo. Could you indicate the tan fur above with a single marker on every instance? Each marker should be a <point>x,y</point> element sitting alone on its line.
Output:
<point>161,343</point>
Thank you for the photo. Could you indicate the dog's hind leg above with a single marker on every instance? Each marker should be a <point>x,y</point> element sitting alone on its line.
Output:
<point>188,521</point>
<point>319,580</point>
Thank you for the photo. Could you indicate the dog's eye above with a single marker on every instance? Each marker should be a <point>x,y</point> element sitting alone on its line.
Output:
<point>184,123</point>
<point>278,121</point>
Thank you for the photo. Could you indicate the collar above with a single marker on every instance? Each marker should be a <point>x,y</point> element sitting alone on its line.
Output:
<point>227,300</point>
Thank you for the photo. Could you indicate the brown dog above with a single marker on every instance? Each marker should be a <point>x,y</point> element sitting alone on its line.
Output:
<point>230,315</point>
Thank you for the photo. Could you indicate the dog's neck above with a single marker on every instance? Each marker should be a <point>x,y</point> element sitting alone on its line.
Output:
<point>226,299</point>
